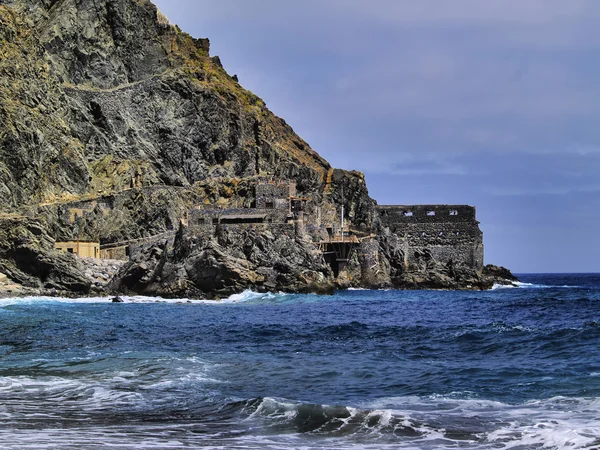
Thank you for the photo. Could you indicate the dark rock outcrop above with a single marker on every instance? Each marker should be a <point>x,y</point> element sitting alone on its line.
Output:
<point>227,263</point>
<point>27,257</point>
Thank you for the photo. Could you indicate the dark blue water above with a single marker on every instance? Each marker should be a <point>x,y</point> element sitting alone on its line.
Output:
<point>508,368</point>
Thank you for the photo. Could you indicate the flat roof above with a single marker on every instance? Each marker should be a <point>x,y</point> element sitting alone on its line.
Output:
<point>424,206</point>
<point>243,216</point>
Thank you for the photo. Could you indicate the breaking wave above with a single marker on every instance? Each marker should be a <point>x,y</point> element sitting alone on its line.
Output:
<point>114,416</point>
<point>246,296</point>
<point>440,422</point>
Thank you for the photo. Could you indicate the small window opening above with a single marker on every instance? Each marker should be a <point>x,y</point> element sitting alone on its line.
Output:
<point>201,221</point>
<point>454,212</point>
<point>431,213</point>
<point>215,221</point>
<point>408,213</point>
<point>70,250</point>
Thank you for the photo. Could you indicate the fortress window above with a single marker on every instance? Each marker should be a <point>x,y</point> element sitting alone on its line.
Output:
<point>431,213</point>
<point>70,250</point>
<point>201,221</point>
<point>269,204</point>
<point>441,233</point>
<point>454,212</point>
<point>408,213</point>
<point>215,221</point>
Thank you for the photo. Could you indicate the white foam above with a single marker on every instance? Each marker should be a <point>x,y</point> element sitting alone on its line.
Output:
<point>525,285</point>
<point>555,423</point>
<point>249,295</point>
<point>521,285</point>
<point>242,297</point>
<point>92,393</point>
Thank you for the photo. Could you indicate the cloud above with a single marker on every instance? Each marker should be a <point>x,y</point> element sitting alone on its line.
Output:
<point>436,11</point>
<point>409,164</point>
<point>507,191</point>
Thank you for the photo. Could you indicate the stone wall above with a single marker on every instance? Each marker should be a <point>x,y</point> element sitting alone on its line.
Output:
<point>276,229</point>
<point>275,195</point>
<point>115,253</point>
<point>442,232</point>
<point>215,216</point>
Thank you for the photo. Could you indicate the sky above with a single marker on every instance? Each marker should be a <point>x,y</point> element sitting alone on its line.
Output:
<point>490,103</point>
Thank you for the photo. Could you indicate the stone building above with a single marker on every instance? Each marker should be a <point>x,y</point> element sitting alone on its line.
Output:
<point>275,194</point>
<point>277,208</point>
<point>442,232</point>
<point>80,248</point>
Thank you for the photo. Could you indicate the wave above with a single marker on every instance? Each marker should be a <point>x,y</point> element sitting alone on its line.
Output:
<point>439,421</point>
<point>522,285</point>
<point>518,285</point>
<point>243,297</point>
<point>111,411</point>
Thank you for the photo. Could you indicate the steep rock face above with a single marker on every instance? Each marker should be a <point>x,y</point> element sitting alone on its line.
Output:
<point>229,262</point>
<point>39,157</point>
<point>27,257</point>
<point>127,100</point>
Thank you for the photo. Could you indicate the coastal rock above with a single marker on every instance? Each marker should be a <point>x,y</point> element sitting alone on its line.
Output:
<point>228,263</point>
<point>499,273</point>
<point>27,257</point>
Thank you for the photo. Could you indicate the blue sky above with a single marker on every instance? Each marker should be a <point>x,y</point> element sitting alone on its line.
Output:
<point>491,103</point>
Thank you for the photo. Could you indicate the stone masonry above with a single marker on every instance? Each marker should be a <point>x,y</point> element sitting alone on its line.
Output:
<point>442,232</point>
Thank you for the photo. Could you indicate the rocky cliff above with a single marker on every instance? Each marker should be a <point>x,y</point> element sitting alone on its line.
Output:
<point>114,123</point>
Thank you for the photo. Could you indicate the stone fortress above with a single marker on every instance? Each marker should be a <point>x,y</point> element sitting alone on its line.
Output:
<point>442,232</point>
<point>449,234</point>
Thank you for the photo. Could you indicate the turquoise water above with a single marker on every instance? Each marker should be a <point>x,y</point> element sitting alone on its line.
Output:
<point>507,368</point>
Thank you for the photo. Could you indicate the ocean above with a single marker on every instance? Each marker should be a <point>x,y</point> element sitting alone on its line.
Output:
<point>514,368</point>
